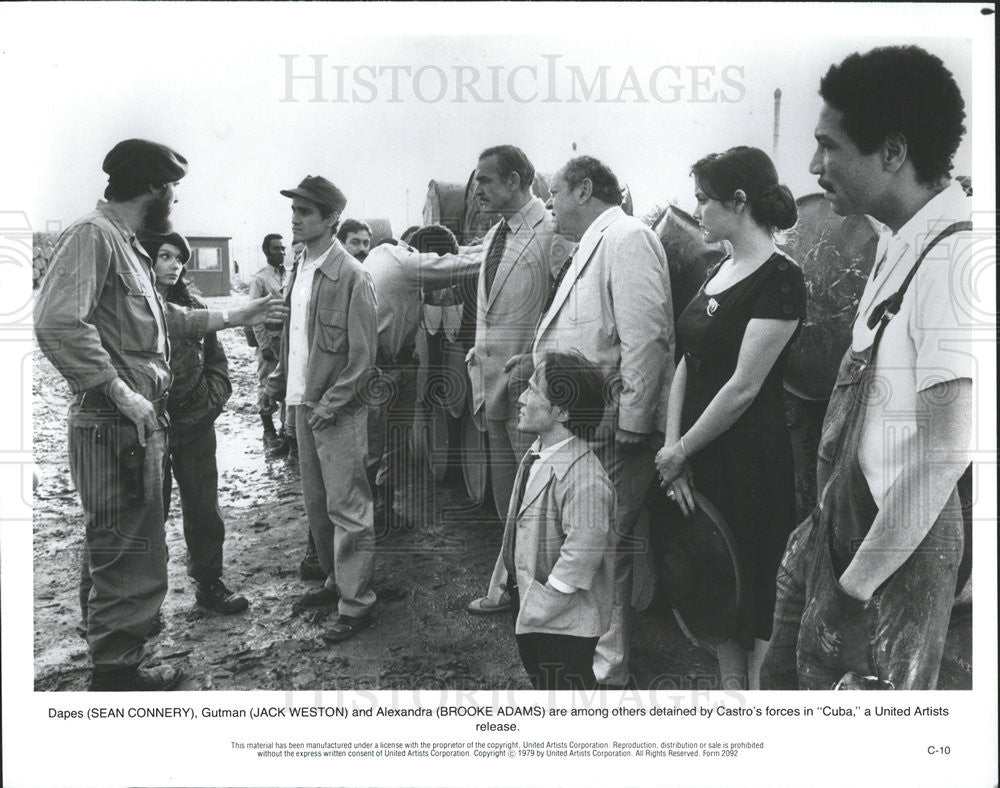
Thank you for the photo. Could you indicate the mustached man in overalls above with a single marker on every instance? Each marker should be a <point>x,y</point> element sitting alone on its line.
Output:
<point>867,582</point>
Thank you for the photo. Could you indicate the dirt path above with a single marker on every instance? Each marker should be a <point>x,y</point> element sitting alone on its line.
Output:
<point>425,574</point>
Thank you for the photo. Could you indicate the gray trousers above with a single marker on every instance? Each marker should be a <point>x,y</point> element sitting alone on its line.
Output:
<point>338,503</point>
<point>507,447</point>
<point>631,471</point>
<point>123,576</point>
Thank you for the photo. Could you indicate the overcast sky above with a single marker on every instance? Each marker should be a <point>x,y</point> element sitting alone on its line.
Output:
<point>402,103</point>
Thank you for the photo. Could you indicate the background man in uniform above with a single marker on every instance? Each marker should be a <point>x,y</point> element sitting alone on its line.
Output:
<point>327,355</point>
<point>268,281</point>
<point>887,535</point>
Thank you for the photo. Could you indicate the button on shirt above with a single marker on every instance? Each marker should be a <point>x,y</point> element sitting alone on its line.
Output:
<point>298,329</point>
<point>928,342</point>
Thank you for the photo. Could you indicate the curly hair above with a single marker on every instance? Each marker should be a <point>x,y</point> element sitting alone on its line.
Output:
<point>899,90</point>
<point>266,246</point>
<point>604,183</point>
<point>349,226</point>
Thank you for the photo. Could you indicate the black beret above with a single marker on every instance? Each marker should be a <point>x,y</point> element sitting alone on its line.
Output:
<point>142,161</point>
<point>152,242</point>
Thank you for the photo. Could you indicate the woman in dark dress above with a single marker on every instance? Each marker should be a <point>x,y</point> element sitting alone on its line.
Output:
<point>726,432</point>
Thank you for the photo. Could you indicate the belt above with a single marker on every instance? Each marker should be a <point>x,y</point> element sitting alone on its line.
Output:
<point>98,401</point>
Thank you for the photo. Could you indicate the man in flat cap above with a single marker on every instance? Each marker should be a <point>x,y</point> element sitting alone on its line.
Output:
<point>100,322</point>
<point>327,358</point>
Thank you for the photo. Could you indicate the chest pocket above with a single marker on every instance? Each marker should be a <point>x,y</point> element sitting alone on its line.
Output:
<point>332,336</point>
<point>138,324</point>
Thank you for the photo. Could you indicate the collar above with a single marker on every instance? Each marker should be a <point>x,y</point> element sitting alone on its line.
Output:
<point>600,224</point>
<point>108,212</point>
<point>527,216</point>
<point>945,207</point>
<point>561,456</point>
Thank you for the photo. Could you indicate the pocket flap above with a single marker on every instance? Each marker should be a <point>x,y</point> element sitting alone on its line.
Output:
<point>135,284</point>
<point>333,317</point>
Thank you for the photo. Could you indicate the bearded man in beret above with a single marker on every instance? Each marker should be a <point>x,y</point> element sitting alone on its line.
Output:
<point>100,322</point>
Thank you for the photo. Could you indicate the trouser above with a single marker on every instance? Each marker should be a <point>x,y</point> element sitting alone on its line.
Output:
<point>631,471</point>
<point>393,408</point>
<point>507,446</point>
<point>555,662</point>
<point>265,366</point>
<point>821,633</point>
<point>338,503</point>
<point>123,576</point>
<point>192,464</point>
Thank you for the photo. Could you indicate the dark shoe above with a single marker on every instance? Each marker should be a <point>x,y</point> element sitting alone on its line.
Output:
<point>154,679</point>
<point>215,596</point>
<point>309,569</point>
<point>321,597</point>
<point>345,628</point>
<point>275,446</point>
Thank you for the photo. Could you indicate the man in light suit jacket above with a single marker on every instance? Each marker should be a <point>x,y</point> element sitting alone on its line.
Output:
<point>556,543</point>
<point>515,278</point>
<point>612,303</point>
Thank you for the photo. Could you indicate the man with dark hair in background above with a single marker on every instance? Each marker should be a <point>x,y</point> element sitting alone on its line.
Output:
<point>611,302</point>
<point>400,272</point>
<point>268,281</point>
<point>866,585</point>
<point>356,236</point>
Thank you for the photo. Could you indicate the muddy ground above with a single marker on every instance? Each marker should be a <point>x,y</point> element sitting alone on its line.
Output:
<point>425,574</point>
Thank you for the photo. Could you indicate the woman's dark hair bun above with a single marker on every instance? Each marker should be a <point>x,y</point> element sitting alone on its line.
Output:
<point>775,207</point>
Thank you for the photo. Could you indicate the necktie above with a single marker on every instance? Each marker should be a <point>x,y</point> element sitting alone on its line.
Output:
<point>495,255</point>
<point>555,285</point>
<point>529,459</point>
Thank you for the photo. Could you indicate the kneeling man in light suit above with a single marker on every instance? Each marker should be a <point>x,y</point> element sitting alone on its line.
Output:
<point>556,544</point>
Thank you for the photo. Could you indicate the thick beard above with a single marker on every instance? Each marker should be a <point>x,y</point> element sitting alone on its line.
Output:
<point>156,216</point>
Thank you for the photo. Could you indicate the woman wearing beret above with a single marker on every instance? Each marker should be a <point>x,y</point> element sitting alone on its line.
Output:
<point>726,431</point>
<point>198,393</point>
